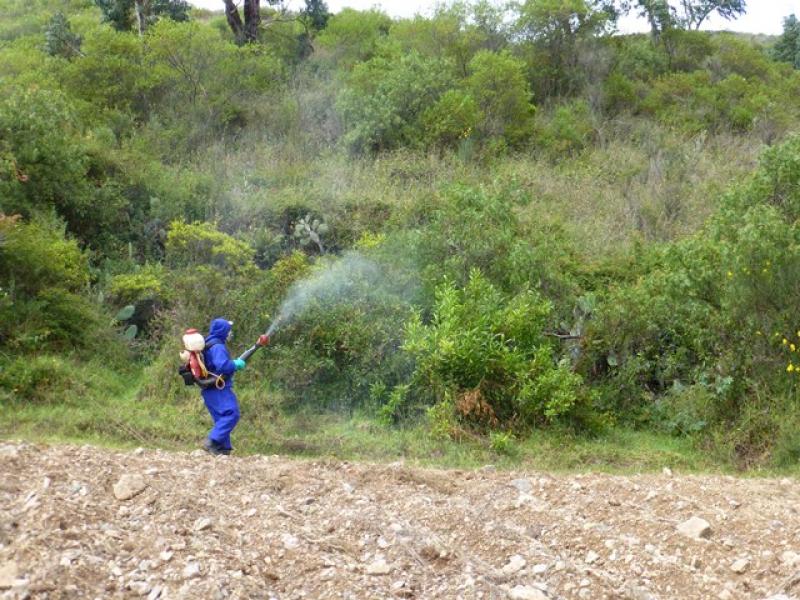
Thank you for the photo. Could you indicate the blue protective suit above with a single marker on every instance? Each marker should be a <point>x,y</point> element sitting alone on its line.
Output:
<point>221,404</point>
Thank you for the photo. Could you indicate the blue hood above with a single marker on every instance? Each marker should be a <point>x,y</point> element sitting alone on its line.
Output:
<point>219,330</point>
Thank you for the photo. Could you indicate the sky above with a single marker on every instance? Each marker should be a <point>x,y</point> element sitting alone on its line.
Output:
<point>763,16</point>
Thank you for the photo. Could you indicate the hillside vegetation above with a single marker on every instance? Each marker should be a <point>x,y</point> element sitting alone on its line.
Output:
<point>541,229</point>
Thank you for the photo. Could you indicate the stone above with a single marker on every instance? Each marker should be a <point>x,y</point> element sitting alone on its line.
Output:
<point>155,593</point>
<point>527,592</point>
<point>695,528</point>
<point>591,557</point>
<point>191,570</point>
<point>165,556</point>
<point>515,564</point>
<point>128,486</point>
<point>740,566</point>
<point>790,558</point>
<point>8,573</point>
<point>539,569</point>
<point>667,471</point>
<point>290,542</point>
<point>379,567</point>
<point>522,485</point>
<point>202,524</point>
<point>639,593</point>
<point>142,588</point>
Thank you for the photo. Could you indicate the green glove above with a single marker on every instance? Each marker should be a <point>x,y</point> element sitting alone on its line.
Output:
<point>239,364</point>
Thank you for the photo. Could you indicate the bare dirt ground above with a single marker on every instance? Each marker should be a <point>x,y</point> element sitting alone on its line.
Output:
<point>84,522</point>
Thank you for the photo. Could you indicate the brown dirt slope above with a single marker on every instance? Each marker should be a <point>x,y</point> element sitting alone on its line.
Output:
<point>270,527</point>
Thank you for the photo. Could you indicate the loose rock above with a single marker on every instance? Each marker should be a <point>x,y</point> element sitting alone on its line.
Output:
<point>695,528</point>
<point>128,486</point>
<point>522,485</point>
<point>526,592</point>
<point>740,566</point>
<point>379,567</point>
<point>191,570</point>
<point>8,573</point>
<point>515,564</point>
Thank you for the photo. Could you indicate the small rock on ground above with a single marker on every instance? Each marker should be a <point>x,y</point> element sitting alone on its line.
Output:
<point>695,528</point>
<point>128,486</point>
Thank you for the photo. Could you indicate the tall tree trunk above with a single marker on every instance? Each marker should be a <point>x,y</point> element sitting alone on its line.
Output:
<point>252,20</point>
<point>141,15</point>
<point>234,20</point>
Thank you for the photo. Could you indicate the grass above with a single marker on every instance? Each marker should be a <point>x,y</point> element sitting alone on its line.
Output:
<point>124,421</point>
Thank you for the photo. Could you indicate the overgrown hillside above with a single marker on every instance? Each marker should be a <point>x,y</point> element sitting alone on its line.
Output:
<point>521,224</point>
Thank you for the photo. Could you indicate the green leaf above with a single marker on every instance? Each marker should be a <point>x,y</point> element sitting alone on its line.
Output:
<point>126,313</point>
<point>130,333</point>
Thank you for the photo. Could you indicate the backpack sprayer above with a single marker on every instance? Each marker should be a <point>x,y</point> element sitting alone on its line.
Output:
<point>194,371</point>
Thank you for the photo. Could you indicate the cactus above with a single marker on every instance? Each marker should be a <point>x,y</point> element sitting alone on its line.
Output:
<point>309,231</point>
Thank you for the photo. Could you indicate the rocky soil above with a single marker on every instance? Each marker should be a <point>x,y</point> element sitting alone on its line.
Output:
<point>83,522</point>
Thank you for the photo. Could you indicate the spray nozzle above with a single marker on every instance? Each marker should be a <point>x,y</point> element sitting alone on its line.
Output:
<point>263,340</point>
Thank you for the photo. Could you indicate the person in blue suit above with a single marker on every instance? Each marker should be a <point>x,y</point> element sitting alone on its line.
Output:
<point>221,403</point>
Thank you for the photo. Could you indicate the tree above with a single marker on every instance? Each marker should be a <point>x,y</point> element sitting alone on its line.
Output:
<point>689,14</point>
<point>59,39</point>
<point>123,14</point>
<point>555,30</point>
<point>497,83</point>
<point>787,48</point>
<point>246,32</point>
<point>695,12</point>
<point>659,14</point>
<point>353,36</point>
<point>316,14</point>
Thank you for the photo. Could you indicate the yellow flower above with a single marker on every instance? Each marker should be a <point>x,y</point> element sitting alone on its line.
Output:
<point>759,333</point>
<point>785,341</point>
<point>730,275</point>
<point>790,368</point>
<point>765,270</point>
<point>792,347</point>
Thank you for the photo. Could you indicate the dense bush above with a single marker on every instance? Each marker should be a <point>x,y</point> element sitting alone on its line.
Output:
<point>486,355</point>
<point>718,312</point>
<point>47,165</point>
<point>386,98</point>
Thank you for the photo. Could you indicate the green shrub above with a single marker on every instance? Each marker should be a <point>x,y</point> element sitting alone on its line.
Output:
<point>198,244</point>
<point>489,354</point>
<point>619,93</point>
<point>43,275</point>
<point>709,318</point>
<point>386,97</point>
<point>146,284</point>
<point>497,83</point>
<point>40,379</point>
<point>452,119</point>
<point>353,36</point>
<point>37,256</point>
<point>47,165</point>
<point>569,130</point>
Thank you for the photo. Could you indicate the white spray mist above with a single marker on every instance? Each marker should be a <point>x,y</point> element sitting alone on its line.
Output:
<point>330,287</point>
